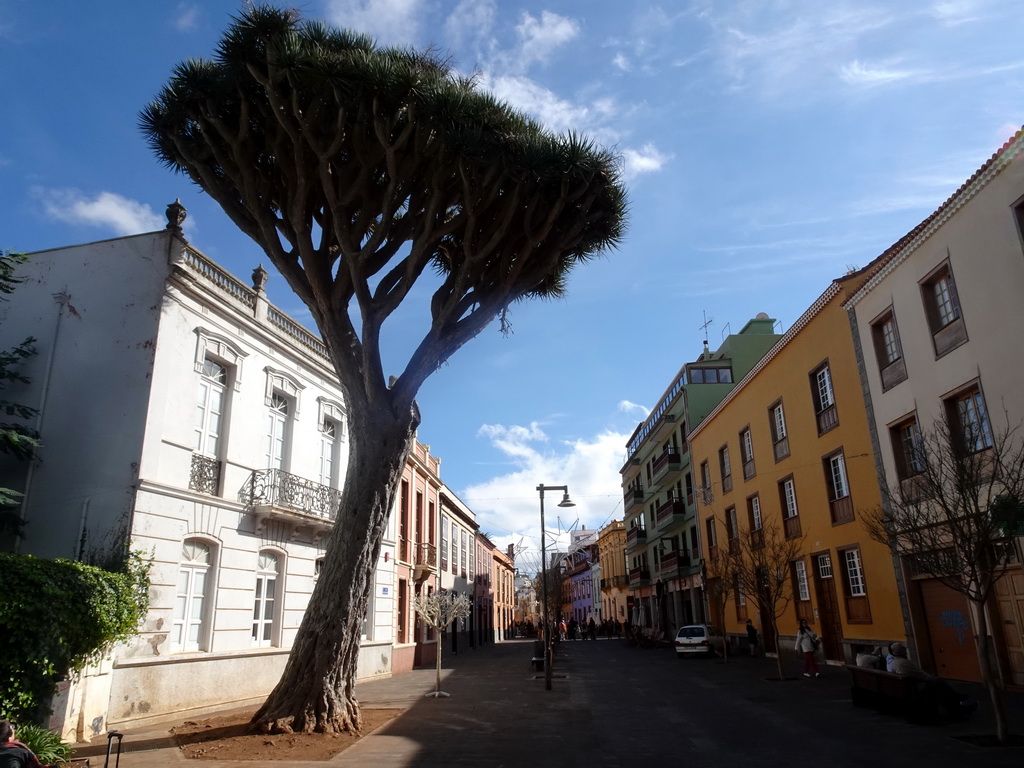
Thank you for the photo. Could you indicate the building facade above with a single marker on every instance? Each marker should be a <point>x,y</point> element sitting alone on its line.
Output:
<point>414,522</point>
<point>184,415</point>
<point>937,326</point>
<point>457,557</point>
<point>788,452</point>
<point>611,548</point>
<point>658,483</point>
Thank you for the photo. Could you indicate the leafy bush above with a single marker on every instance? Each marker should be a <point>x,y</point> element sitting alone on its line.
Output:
<point>58,616</point>
<point>47,745</point>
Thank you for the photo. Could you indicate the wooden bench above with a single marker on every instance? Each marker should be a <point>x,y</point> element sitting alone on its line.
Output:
<point>890,694</point>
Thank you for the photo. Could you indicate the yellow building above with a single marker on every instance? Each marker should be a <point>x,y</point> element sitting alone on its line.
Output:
<point>611,547</point>
<point>789,447</point>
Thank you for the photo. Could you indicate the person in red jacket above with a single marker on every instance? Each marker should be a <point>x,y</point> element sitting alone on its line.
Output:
<point>14,754</point>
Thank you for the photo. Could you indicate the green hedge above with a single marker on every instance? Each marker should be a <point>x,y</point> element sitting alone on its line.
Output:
<point>57,616</point>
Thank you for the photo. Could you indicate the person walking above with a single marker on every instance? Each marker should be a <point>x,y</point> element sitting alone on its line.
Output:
<point>807,643</point>
<point>752,637</point>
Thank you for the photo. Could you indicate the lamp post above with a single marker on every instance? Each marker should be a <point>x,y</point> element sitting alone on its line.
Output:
<point>549,655</point>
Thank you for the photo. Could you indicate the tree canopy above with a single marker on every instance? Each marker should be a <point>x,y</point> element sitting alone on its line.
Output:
<point>359,167</point>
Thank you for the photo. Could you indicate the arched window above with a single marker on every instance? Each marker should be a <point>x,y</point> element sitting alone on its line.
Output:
<point>190,605</point>
<point>265,607</point>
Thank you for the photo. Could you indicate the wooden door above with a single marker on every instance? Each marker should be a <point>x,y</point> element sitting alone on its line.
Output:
<point>950,630</point>
<point>1010,603</point>
<point>829,619</point>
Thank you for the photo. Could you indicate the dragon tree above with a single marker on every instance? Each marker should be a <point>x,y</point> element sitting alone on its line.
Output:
<point>362,171</point>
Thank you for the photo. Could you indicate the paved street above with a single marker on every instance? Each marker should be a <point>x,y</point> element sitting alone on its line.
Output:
<point>621,706</point>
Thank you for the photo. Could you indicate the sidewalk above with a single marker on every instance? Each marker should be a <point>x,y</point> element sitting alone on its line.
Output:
<point>611,705</point>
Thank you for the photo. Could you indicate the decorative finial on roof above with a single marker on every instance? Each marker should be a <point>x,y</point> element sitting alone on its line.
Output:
<point>259,278</point>
<point>176,214</point>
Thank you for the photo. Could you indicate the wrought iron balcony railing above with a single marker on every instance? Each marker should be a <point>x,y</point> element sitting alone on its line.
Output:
<point>205,474</point>
<point>283,490</point>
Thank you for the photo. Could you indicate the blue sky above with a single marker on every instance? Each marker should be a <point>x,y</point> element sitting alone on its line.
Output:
<point>769,146</point>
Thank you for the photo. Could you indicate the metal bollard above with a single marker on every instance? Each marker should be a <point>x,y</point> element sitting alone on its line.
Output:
<point>110,742</point>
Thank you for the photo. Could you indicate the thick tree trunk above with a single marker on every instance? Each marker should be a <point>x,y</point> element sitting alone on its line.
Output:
<point>317,689</point>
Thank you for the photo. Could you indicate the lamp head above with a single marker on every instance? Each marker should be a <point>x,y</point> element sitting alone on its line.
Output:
<point>566,501</point>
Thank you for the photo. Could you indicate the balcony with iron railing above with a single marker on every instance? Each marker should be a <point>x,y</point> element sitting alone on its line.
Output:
<point>671,512</point>
<point>669,461</point>
<point>635,535</point>
<point>273,494</point>
<point>639,577</point>
<point>612,582</point>
<point>674,563</point>
<point>632,496</point>
<point>426,562</point>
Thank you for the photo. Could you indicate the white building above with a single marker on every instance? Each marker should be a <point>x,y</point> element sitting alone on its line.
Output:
<point>937,326</point>
<point>183,413</point>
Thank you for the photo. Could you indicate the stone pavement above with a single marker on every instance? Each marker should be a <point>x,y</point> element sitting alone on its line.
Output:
<point>616,706</point>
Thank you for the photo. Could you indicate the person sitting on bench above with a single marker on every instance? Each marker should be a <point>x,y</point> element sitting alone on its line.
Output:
<point>14,754</point>
<point>933,688</point>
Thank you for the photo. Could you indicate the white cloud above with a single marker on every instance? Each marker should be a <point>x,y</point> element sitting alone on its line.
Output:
<point>647,159</point>
<point>858,73</point>
<point>507,507</point>
<point>622,62</point>
<point>539,38</point>
<point>187,17</point>
<point>543,104</point>
<point>105,209</point>
<point>760,46</point>
<point>954,12</point>
<point>391,22</point>
<point>634,408</point>
<point>471,20</point>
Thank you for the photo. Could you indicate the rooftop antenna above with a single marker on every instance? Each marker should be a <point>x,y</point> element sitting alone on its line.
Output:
<point>707,321</point>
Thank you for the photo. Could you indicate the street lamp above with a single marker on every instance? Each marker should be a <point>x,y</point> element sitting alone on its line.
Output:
<point>549,655</point>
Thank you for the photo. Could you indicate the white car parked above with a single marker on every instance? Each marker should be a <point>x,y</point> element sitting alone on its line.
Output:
<point>699,638</point>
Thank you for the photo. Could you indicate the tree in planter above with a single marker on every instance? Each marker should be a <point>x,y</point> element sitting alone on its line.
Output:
<point>439,610</point>
<point>954,515</point>
<point>17,439</point>
<point>763,566</point>
<point>359,170</point>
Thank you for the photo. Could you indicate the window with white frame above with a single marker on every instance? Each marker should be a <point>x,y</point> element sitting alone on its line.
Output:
<point>276,439</point>
<point>190,606</point>
<point>824,561</point>
<point>747,453</point>
<point>942,309</point>
<point>264,610</point>
<point>725,467</point>
<point>888,350</point>
<point>444,542</point>
<point>464,538</point>
<point>210,408</point>
<point>838,486</point>
<point>455,549</point>
<point>802,590</point>
<point>824,398</point>
<point>908,447</point>
<point>329,438</point>
<point>789,508</point>
<point>854,573</point>
<point>371,598</point>
<point>777,423</point>
<point>969,417</point>
<point>754,512</point>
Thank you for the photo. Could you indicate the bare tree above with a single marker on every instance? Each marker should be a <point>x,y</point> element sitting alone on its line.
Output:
<point>765,556</point>
<point>439,610</point>
<point>719,574</point>
<point>952,517</point>
<point>372,176</point>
